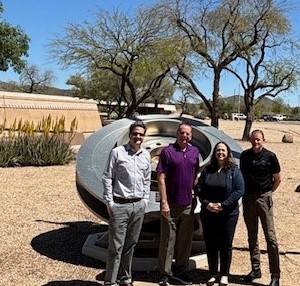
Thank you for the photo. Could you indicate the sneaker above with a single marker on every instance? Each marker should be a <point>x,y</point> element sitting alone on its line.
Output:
<point>224,281</point>
<point>164,280</point>
<point>211,281</point>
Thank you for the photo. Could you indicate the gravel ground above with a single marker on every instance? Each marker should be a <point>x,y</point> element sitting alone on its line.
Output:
<point>45,224</point>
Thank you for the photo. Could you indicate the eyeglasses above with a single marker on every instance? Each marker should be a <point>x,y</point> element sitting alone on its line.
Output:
<point>138,133</point>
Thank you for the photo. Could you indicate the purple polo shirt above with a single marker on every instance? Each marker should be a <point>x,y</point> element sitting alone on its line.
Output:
<point>181,168</point>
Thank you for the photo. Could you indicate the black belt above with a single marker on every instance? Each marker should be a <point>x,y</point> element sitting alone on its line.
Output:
<point>119,200</point>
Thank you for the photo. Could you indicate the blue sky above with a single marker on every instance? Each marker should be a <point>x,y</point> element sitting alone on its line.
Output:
<point>42,20</point>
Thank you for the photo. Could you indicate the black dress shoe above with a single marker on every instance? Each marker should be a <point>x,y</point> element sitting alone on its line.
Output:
<point>274,281</point>
<point>254,274</point>
<point>182,279</point>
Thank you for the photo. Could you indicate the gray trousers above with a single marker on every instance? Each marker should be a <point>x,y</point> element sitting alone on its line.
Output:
<point>176,233</point>
<point>261,207</point>
<point>124,230</point>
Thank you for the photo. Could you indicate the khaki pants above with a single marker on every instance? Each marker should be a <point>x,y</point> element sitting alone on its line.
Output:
<point>176,233</point>
<point>261,207</point>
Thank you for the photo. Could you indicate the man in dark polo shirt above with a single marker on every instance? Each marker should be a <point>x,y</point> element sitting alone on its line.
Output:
<point>261,171</point>
<point>177,172</point>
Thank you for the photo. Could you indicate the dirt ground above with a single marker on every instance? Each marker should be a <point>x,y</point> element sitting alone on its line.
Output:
<point>44,223</point>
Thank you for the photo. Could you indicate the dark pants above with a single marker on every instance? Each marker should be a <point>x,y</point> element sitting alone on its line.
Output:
<point>218,232</point>
<point>176,233</point>
<point>261,207</point>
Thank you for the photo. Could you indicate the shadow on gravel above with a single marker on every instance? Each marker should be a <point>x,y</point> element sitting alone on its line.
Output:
<point>65,244</point>
<point>198,276</point>
<point>72,283</point>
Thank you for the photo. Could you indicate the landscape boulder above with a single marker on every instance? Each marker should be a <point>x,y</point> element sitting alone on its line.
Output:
<point>287,138</point>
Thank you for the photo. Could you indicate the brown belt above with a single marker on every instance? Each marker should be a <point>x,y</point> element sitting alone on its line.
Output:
<point>119,200</point>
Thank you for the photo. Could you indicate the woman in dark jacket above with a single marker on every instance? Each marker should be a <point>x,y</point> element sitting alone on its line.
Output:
<point>220,187</point>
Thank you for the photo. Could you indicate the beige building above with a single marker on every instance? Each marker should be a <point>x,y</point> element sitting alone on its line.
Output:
<point>33,107</point>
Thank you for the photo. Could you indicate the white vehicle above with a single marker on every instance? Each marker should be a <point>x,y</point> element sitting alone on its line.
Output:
<point>278,117</point>
<point>238,116</point>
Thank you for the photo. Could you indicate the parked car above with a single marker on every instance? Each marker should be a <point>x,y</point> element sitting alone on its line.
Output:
<point>279,117</point>
<point>238,116</point>
<point>268,117</point>
<point>274,117</point>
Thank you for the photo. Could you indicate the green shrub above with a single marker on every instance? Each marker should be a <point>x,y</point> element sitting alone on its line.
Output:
<point>47,144</point>
<point>35,151</point>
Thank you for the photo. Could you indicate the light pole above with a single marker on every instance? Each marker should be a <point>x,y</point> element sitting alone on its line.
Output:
<point>299,106</point>
<point>239,99</point>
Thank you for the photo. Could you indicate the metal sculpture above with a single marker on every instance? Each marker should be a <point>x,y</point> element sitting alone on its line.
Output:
<point>161,131</point>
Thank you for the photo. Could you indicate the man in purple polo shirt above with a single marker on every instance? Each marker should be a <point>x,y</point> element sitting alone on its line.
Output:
<point>177,175</point>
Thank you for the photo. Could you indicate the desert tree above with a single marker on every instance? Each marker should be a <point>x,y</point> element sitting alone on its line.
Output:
<point>133,48</point>
<point>184,95</point>
<point>14,44</point>
<point>279,106</point>
<point>269,68</point>
<point>33,80</point>
<point>210,29</point>
<point>218,32</point>
<point>102,86</point>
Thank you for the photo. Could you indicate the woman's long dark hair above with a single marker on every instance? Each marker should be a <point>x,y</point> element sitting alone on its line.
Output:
<point>229,161</point>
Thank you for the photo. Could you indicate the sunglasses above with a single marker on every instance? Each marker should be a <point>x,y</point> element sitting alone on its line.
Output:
<point>138,133</point>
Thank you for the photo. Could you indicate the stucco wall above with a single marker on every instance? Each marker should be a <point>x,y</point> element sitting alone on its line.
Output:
<point>34,107</point>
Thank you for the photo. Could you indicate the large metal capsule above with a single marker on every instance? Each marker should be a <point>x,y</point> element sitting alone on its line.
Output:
<point>161,131</point>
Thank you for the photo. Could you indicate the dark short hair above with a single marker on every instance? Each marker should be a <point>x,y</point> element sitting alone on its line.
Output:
<point>137,124</point>
<point>229,161</point>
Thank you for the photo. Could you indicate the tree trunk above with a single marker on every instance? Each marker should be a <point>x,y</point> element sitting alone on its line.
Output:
<point>248,99</point>
<point>248,125</point>
<point>131,109</point>
<point>214,118</point>
<point>215,122</point>
<point>215,98</point>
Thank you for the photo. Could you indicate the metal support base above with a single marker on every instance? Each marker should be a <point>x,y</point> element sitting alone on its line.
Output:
<point>145,258</point>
